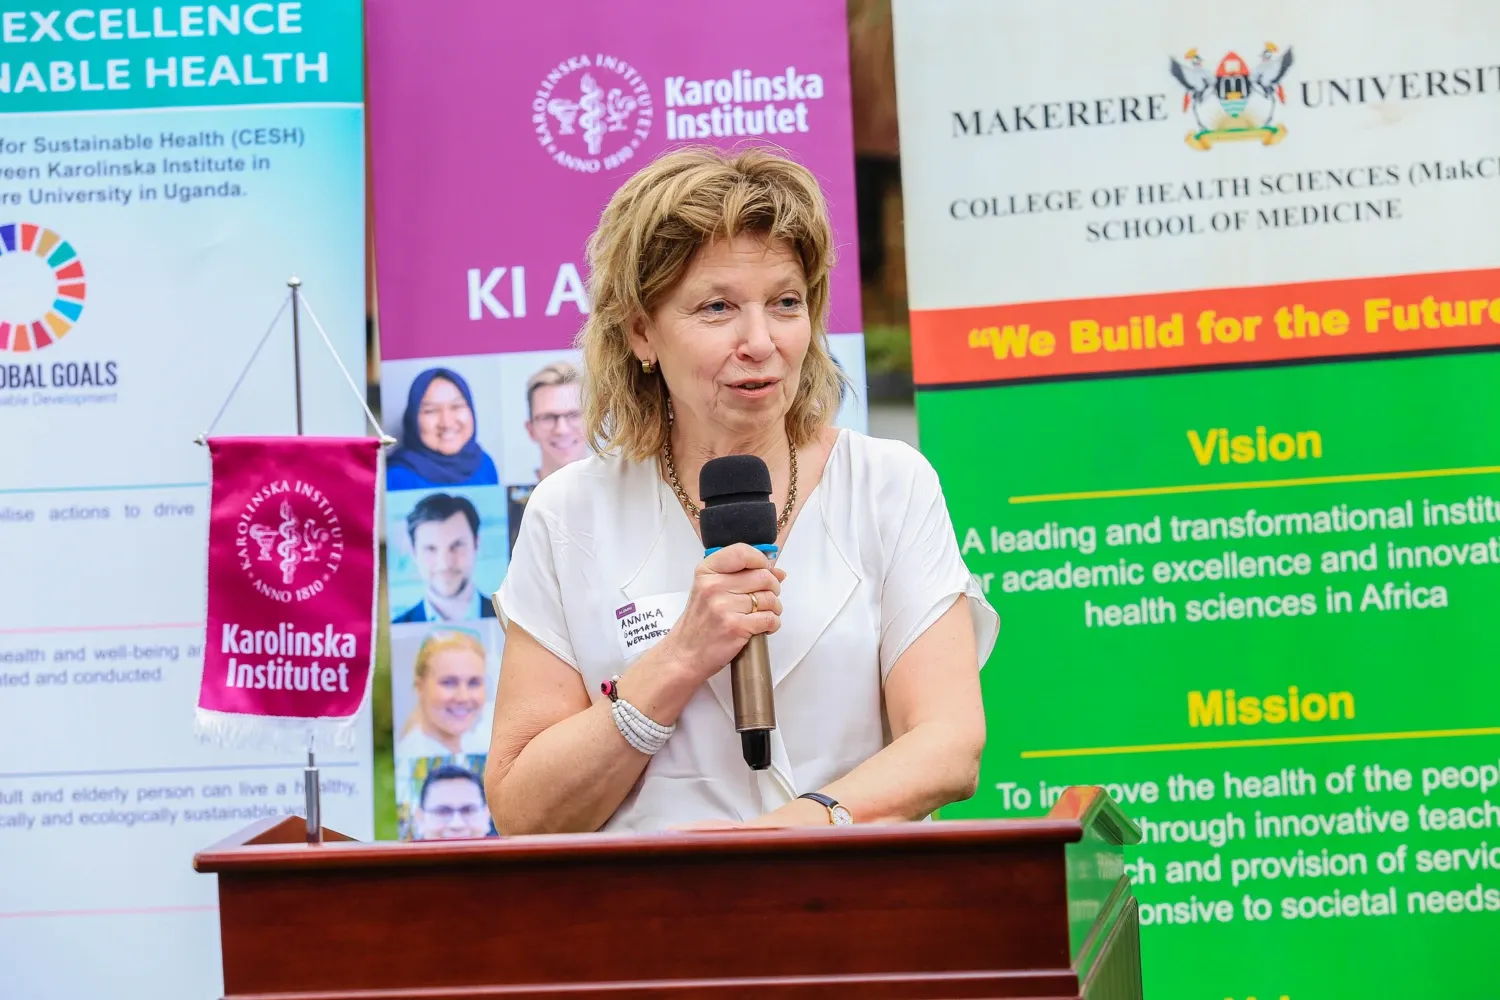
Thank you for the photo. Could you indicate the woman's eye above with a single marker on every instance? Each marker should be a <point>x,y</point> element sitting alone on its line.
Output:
<point>717,308</point>
<point>790,302</point>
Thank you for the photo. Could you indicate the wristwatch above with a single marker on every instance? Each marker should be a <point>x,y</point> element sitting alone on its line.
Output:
<point>837,814</point>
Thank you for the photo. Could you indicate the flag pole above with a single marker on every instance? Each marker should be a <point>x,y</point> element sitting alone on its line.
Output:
<point>313,796</point>
<point>295,283</point>
<point>311,787</point>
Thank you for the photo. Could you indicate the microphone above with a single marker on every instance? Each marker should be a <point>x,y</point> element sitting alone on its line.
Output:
<point>737,507</point>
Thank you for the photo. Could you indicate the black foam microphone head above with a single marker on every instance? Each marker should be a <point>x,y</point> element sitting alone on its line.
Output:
<point>736,492</point>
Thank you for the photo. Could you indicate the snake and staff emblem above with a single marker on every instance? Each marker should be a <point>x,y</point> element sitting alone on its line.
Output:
<point>289,548</point>
<point>596,98</point>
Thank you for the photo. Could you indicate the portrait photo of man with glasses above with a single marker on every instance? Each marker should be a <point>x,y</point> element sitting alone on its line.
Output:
<point>554,416</point>
<point>553,398</point>
<point>442,798</point>
<point>451,806</point>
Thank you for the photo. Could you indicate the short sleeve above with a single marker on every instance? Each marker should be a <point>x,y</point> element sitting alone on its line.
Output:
<point>531,594</point>
<point>924,570</point>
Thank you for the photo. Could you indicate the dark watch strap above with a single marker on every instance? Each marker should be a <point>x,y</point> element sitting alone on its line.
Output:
<point>826,801</point>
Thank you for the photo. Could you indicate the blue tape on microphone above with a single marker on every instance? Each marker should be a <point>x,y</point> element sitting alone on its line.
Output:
<point>769,550</point>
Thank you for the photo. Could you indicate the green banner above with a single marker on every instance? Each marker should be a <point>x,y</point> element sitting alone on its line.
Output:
<point>1205,331</point>
<point>1283,670</point>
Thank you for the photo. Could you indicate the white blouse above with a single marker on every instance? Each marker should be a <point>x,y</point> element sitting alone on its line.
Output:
<point>417,744</point>
<point>603,566</point>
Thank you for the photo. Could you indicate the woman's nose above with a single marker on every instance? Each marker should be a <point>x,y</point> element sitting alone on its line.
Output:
<point>755,335</point>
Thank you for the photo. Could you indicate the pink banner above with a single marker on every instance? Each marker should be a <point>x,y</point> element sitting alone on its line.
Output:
<point>291,587</point>
<point>499,131</point>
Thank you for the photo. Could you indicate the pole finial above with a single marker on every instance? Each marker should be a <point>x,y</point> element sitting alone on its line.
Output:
<point>294,282</point>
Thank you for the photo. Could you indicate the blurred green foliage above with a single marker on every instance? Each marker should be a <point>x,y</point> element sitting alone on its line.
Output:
<point>380,697</point>
<point>888,349</point>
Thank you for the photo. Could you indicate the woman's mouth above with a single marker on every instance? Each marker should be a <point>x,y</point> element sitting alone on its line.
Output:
<point>459,716</point>
<point>755,388</point>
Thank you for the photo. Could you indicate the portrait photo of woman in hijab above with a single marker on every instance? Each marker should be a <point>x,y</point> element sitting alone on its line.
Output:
<point>439,443</point>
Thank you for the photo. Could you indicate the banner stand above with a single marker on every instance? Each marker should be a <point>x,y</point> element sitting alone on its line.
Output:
<point>295,284</point>
<point>311,786</point>
<point>298,302</point>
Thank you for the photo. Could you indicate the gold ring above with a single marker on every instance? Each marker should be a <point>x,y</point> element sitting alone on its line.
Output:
<point>754,603</point>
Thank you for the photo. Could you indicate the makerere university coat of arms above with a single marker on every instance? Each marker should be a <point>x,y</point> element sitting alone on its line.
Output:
<point>1234,101</point>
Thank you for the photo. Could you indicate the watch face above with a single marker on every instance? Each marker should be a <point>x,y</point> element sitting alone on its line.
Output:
<point>841,816</point>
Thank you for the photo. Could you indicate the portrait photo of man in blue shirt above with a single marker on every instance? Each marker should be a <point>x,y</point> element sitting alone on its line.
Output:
<point>444,534</point>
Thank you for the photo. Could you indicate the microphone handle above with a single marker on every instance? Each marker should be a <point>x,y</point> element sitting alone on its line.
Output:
<point>750,673</point>
<point>754,708</point>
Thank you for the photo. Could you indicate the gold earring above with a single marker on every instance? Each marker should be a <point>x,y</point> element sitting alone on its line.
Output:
<point>647,367</point>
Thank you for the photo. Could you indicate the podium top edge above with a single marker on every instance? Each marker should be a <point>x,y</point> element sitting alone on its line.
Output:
<point>1092,807</point>
<point>229,856</point>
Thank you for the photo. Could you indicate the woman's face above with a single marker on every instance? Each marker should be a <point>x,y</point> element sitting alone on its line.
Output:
<point>731,337</point>
<point>444,421</point>
<point>453,693</point>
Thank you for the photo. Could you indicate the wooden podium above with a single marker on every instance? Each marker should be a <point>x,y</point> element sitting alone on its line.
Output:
<point>1014,908</point>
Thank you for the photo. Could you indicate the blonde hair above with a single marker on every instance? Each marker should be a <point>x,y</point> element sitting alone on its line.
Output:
<point>557,373</point>
<point>648,236</point>
<point>438,641</point>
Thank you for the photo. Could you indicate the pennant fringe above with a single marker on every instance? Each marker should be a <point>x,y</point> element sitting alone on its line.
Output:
<point>275,733</point>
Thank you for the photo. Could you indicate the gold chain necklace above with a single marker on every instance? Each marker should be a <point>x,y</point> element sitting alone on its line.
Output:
<point>692,508</point>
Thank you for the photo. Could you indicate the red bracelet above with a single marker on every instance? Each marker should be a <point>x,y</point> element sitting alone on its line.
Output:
<point>611,688</point>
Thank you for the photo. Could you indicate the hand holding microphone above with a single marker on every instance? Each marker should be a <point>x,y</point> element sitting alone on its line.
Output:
<point>735,598</point>
<point>737,511</point>
<point>720,616</point>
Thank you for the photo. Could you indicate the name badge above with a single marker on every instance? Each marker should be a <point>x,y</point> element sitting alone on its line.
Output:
<point>644,622</point>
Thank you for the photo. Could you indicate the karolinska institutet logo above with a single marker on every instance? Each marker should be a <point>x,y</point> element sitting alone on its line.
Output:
<point>742,104</point>
<point>289,541</point>
<point>1234,101</point>
<point>41,287</point>
<point>591,113</point>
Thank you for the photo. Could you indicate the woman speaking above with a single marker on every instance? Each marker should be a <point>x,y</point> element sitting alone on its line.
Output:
<point>709,291</point>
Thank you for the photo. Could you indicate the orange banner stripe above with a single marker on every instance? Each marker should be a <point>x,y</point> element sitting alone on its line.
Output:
<point>1218,327</point>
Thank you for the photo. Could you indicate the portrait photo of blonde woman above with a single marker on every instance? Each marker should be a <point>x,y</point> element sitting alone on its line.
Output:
<point>442,685</point>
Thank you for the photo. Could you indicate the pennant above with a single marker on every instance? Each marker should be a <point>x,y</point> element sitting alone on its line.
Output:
<point>292,571</point>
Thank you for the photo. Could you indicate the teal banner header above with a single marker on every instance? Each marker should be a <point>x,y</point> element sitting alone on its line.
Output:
<point>82,57</point>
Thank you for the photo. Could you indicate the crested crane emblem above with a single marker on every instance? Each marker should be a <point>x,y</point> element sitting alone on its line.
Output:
<point>1234,101</point>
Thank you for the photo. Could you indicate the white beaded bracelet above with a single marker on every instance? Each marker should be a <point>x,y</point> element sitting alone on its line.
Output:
<point>627,720</point>
<point>643,733</point>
